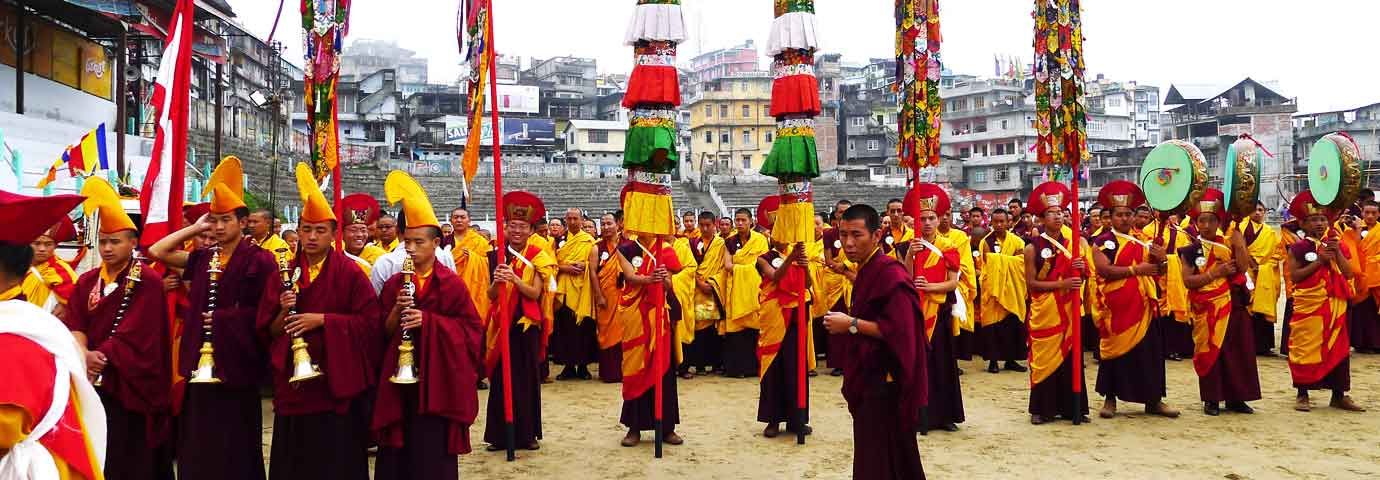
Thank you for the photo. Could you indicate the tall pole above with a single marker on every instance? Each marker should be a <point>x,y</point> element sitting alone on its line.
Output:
<point>121,104</point>
<point>502,246</point>
<point>20,33</point>
<point>273,104</point>
<point>220,106</point>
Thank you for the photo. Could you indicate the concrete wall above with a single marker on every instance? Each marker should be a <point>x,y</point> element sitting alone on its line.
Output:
<point>45,98</point>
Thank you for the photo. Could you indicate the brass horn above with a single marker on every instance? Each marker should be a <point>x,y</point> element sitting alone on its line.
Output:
<point>302,367</point>
<point>206,363</point>
<point>407,368</point>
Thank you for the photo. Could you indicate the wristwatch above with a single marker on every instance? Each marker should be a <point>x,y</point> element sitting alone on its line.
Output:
<point>853,327</point>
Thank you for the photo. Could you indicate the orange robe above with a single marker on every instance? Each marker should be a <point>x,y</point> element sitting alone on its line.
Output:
<point>1318,336</point>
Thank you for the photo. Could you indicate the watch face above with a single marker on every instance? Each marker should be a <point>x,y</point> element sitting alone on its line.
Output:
<point>852,329</point>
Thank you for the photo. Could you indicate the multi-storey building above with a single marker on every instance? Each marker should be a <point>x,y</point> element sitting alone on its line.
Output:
<point>731,126</point>
<point>1139,103</point>
<point>723,62</point>
<point>566,84</point>
<point>1212,116</point>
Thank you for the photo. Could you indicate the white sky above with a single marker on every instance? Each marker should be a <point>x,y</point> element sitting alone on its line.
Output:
<point>1320,51</point>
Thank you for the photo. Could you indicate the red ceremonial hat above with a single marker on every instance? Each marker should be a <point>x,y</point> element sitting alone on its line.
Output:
<point>358,208</point>
<point>26,218</point>
<point>63,231</point>
<point>926,196</point>
<point>522,206</point>
<point>1048,195</point>
<point>193,212</point>
<point>1120,193</point>
<point>1215,203</point>
<point>766,211</point>
<point>1303,206</point>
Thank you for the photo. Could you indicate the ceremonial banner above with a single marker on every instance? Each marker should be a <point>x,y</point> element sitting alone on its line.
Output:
<point>160,199</point>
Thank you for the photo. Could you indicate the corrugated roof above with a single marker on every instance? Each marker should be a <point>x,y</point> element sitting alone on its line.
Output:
<point>599,124</point>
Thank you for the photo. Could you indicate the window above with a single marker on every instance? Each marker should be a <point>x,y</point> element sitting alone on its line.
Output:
<point>980,176</point>
<point>747,137</point>
<point>708,137</point>
<point>723,137</point>
<point>1003,175</point>
<point>1097,126</point>
<point>597,136</point>
<point>708,111</point>
<point>1113,101</point>
<point>980,126</point>
<point>852,146</point>
<point>1003,125</point>
<point>723,111</point>
<point>766,110</point>
<point>965,152</point>
<point>856,121</point>
<point>980,150</point>
<point>768,137</point>
<point>873,145</point>
<point>979,102</point>
<point>747,161</point>
<point>747,111</point>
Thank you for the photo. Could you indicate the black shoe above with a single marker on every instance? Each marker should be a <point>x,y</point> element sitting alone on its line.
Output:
<point>1266,353</point>
<point>482,385</point>
<point>1015,367</point>
<point>1038,419</point>
<point>1211,409</point>
<point>1240,407</point>
<point>1175,357</point>
<point>949,427</point>
<point>584,374</point>
<point>836,372</point>
<point>806,429</point>
<point>960,372</point>
<point>567,374</point>
<point>992,367</point>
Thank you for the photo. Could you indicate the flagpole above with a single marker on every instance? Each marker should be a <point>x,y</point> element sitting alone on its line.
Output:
<point>1078,297</point>
<point>502,246</point>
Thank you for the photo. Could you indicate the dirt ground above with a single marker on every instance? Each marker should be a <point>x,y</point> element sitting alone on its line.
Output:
<point>722,440</point>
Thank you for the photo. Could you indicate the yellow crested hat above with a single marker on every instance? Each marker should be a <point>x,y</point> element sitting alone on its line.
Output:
<point>100,196</point>
<point>315,209</point>
<point>401,187</point>
<point>227,181</point>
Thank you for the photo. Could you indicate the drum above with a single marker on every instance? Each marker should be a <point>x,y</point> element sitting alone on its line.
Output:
<point>1173,176</point>
<point>1334,171</point>
<point>1241,179</point>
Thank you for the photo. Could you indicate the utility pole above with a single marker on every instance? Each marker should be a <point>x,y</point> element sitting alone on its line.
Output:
<point>20,32</point>
<point>121,104</point>
<point>275,106</point>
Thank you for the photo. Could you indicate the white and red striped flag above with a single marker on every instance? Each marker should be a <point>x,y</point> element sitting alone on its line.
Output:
<point>160,199</point>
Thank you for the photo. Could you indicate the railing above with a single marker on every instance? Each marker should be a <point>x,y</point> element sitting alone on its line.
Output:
<point>718,200</point>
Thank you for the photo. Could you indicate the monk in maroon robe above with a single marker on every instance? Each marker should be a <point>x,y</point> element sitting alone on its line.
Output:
<point>518,288</point>
<point>423,426</point>
<point>883,354</point>
<point>220,425</point>
<point>124,326</point>
<point>319,426</point>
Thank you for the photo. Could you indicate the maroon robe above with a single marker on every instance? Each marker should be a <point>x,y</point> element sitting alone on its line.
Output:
<point>1233,377</point>
<point>884,379</point>
<point>135,382</point>
<point>777,400</point>
<point>448,361</point>
<point>315,433</point>
<point>739,348</point>
<point>706,351</point>
<point>220,425</point>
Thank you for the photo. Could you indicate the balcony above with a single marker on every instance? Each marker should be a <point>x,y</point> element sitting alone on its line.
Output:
<point>988,110</point>
<point>990,160</point>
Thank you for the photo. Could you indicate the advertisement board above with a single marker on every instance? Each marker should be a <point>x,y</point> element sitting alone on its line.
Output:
<point>512,131</point>
<point>517,99</point>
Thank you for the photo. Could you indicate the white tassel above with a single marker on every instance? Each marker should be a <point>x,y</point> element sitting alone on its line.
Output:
<point>655,22</point>
<point>793,30</point>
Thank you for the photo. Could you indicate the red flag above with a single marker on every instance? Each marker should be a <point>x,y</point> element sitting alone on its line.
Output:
<point>160,199</point>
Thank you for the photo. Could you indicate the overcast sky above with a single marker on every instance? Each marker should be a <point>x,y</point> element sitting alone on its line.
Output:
<point>1320,51</point>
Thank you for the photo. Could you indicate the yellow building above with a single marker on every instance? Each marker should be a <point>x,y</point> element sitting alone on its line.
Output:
<point>731,126</point>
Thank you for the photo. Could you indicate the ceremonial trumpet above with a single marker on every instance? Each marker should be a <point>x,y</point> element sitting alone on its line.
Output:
<point>206,363</point>
<point>302,366</point>
<point>131,281</point>
<point>407,369</point>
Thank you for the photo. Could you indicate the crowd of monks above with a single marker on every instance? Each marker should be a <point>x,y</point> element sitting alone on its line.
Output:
<point>180,340</point>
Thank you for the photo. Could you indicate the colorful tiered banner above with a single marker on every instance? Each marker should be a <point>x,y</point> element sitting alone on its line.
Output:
<point>649,152</point>
<point>474,19</point>
<point>1060,115</point>
<point>917,83</point>
<point>795,103</point>
<point>325,23</point>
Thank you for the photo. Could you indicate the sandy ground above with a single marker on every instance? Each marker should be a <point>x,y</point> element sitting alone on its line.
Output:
<point>722,440</point>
